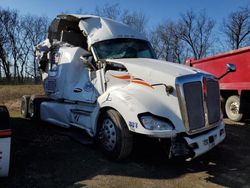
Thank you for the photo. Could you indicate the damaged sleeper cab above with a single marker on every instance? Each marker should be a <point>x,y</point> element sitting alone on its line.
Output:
<point>103,77</point>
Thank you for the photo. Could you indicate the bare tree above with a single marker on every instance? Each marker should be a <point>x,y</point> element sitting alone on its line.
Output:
<point>195,30</point>
<point>167,43</point>
<point>4,62</point>
<point>109,11</point>
<point>18,35</point>
<point>12,29</point>
<point>136,20</point>
<point>5,41</point>
<point>237,28</point>
<point>15,40</point>
<point>35,32</point>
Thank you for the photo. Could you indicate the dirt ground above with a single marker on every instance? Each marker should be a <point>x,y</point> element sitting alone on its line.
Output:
<point>43,156</point>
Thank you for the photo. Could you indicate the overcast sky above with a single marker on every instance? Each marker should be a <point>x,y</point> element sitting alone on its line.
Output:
<point>156,10</point>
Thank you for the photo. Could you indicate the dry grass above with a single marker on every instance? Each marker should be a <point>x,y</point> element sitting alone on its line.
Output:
<point>10,95</point>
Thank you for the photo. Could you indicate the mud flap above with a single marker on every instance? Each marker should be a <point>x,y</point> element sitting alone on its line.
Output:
<point>245,103</point>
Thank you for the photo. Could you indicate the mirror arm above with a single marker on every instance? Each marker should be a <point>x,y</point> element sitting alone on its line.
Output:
<point>85,61</point>
<point>223,75</point>
<point>230,68</point>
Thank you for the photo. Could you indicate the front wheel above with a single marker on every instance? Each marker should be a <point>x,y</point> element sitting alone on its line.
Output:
<point>113,136</point>
<point>232,108</point>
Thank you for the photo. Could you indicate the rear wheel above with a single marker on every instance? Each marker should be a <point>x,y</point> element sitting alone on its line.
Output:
<point>31,107</point>
<point>113,136</point>
<point>232,108</point>
<point>24,106</point>
<point>34,106</point>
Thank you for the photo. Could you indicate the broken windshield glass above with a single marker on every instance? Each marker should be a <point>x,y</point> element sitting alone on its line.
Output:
<point>123,48</point>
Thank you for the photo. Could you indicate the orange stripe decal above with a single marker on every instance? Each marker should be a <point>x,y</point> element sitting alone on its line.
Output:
<point>133,80</point>
<point>123,77</point>
<point>142,83</point>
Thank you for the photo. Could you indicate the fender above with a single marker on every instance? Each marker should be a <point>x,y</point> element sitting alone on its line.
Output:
<point>130,107</point>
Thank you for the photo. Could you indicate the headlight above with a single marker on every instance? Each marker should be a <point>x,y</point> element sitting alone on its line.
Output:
<point>153,123</point>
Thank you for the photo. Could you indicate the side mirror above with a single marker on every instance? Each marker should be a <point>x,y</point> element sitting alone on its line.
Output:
<point>231,67</point>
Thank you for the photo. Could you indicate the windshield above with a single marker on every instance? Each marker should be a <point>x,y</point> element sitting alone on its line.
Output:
<point>123,48</point>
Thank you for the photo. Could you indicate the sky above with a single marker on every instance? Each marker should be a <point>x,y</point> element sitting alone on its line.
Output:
<point>156,10</point>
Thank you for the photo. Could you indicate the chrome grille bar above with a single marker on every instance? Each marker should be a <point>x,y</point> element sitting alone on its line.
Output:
<point>194,104</point>
<point>213,101</point>
<point>199,101</point>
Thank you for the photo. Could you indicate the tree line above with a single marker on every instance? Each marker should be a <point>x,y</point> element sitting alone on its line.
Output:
<point>18,36</point>
<point>194,34</point>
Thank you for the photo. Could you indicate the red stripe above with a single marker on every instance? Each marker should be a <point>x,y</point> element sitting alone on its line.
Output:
<point>5,133</point>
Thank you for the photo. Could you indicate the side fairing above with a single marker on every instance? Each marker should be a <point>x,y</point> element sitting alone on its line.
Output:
<point>70,78</point>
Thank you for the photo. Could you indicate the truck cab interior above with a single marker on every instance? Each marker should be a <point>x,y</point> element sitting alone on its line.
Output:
<point>67,31</point>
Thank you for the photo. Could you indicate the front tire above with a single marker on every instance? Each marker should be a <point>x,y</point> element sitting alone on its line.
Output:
<point>232,108</point>
<point>113,136</point>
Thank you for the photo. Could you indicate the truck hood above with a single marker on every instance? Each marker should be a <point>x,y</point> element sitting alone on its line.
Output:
<point>141,88</point>
<point>155,71</point>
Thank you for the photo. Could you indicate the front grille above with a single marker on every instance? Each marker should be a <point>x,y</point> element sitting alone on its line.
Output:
<point>194,105</point>
<point>199,99</point>
<point>213,101</point>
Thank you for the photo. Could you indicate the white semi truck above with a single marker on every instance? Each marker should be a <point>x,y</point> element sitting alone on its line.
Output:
<point>103,77</point>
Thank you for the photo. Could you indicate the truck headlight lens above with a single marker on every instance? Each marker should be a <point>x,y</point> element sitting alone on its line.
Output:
<point>154,123</point>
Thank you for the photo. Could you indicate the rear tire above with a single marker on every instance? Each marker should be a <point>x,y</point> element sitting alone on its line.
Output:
<point>34,105</point>
<point>31,107</point>
<point>232,108</point>
<point>113,136</point>
<point>223,105</point>
<point>25,106</point>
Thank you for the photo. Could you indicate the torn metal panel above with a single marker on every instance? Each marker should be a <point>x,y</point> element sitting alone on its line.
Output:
<point>95,28</point>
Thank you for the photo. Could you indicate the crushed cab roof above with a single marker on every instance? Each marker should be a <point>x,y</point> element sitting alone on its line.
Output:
<point>95,28</point>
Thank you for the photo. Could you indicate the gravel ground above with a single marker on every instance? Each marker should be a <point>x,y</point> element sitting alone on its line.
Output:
<point>43,156</point>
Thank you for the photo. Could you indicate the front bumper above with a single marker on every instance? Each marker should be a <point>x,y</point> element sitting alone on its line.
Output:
<point>205,142</point>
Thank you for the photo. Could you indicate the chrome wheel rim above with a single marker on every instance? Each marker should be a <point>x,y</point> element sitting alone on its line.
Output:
<point>107,134</point>
<point>234,108</point>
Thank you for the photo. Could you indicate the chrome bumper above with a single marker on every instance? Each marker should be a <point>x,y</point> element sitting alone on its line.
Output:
<point>205,142</point>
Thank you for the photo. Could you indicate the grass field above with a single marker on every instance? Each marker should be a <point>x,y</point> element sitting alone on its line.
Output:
<point>10,96</point>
